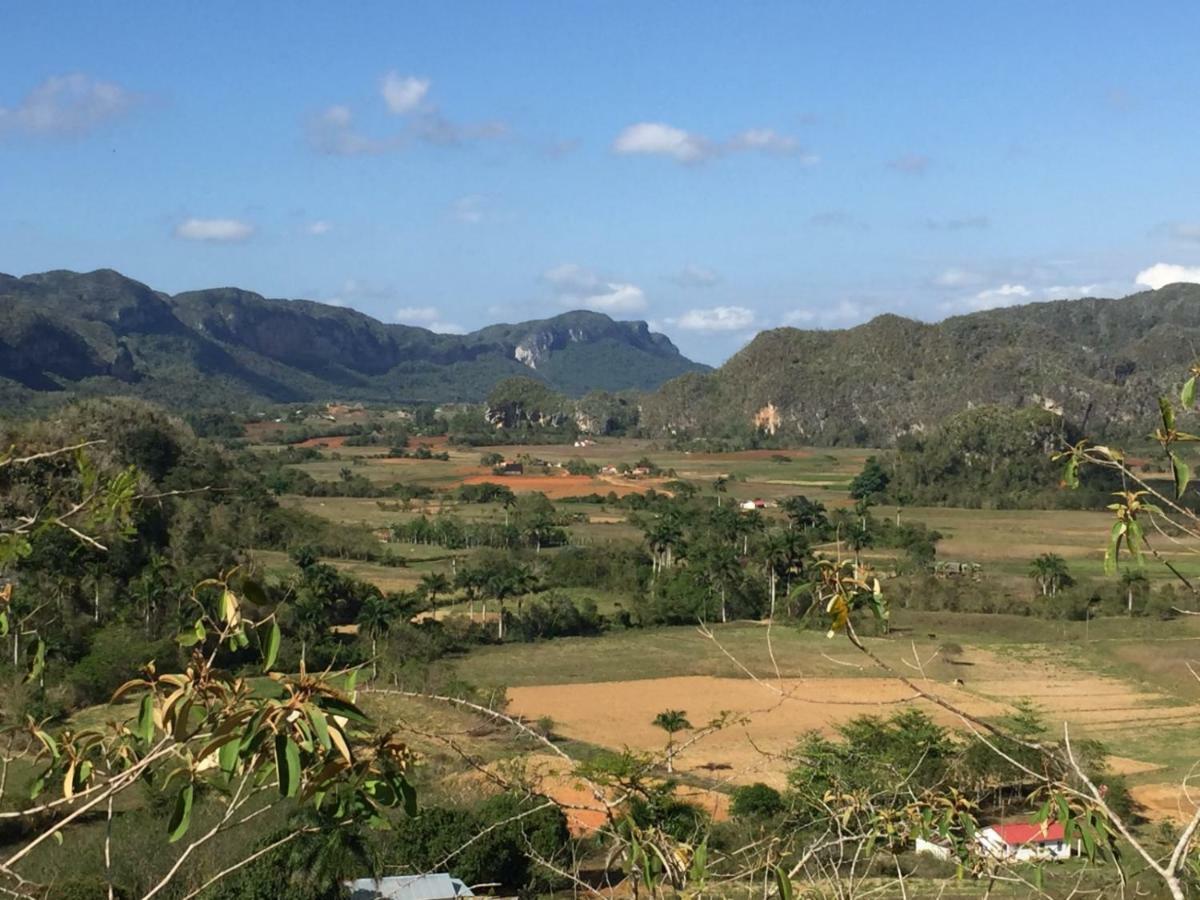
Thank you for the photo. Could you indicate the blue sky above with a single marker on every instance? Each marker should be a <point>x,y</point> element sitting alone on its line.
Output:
<point>716,169</point>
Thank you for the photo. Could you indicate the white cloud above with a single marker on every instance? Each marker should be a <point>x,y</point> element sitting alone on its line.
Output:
<point>1005,295</point>
<point>1069,291</point>
<point>426,317</point>
<point>693,276</point>
<point>844,312</point>
<point>954,277</point>
<point>403,94</point>
<point>67,105</point>
<point>219,231</point>
<point>1161,274</point>
<point>332,131</point>
<point>658,139</point>
<point>716,318</point>
<point>766,139</point>
<point>319,227</point>
<point>577,286</point>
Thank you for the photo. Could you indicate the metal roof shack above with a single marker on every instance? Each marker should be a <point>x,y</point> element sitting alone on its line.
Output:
<point>439,886</point>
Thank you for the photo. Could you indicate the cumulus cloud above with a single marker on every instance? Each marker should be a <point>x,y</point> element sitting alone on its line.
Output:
<point>991,298</point>
<point>577,286</point>
<point>658,139</point>
<point>426,317</point>
<point>910,164</point>
<point>318,228</point>
<point>716,318</point>
<point>844,312</point>
<point>1161,274</point>
<point>403,94</point>
<point>661,139</point>
<point>67,105</point>
<point>217,231</point>
<point>333,130</point>
<point>693,276</point>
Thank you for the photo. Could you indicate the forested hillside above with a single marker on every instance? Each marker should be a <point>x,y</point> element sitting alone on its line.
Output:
<point>64,333</point>
<point>1100,363</point>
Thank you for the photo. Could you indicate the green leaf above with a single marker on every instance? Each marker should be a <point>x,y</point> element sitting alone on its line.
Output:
<point>1134,541</point>
<point>181,817</point>
<point>320,726</point>
<point>1071,474</point>
<point>783,884</point>
<point>271,646</point>
<point>1183,474</point>
<point>1187,396</point>
<point>339,707</point>
<point>699,868</point>
<point>227,756</point>
<point>39,662</point>
<point>145,720</point>
<point>1168,413</point>
<point>287,765</point>
<point>1114,545</point>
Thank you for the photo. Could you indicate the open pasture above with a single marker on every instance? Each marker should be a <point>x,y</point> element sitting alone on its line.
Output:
<point>1004,541</point>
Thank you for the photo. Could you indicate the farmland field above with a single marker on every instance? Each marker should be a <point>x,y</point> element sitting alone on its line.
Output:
<point>1125,682</point>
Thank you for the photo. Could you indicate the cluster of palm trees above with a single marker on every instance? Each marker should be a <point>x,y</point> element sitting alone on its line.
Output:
<point>724,542</point>
<point>1051,574</point>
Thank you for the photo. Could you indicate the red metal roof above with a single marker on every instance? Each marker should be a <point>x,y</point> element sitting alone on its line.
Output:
<point>1016,833</point>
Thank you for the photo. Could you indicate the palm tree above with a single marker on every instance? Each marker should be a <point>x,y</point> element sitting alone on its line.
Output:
<point>432,584</point>
<point>672,721</point>
<point>777,556</point>
<point>1135,582</point>
<point>375,620</point>
<point>1050,572</point>
<point>720,486</point>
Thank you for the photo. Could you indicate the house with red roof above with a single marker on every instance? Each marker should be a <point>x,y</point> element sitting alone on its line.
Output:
<point>1024,841</point>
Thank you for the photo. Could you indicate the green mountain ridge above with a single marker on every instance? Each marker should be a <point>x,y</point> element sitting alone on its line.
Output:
<point>1100,362</point>
<point>66,333</point>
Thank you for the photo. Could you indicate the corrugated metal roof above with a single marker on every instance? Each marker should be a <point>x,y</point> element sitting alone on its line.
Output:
<point>439,886</point>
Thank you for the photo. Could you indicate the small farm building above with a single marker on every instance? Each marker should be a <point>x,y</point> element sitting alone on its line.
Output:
<point>1024,841</point>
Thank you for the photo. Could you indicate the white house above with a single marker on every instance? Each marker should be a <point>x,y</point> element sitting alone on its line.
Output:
<point>934,848</point>
<point>1024,841</point>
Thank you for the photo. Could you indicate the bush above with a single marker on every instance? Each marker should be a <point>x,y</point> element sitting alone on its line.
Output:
<point>756,801</point>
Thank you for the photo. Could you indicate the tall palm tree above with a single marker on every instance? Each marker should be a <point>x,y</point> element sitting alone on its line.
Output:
<point>432,584</point>
<point>1135,582</point>
<point>375,620</point>
<point>672,721</point>
<point>720,486</point>
<point>778,554</point>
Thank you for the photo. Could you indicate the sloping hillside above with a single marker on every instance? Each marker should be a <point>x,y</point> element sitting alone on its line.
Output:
<point>1100,362</point>
<point>70,333</point>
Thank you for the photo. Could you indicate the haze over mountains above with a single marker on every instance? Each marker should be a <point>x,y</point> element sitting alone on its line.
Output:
<point>101,332</point>
<point>1100,362</point>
